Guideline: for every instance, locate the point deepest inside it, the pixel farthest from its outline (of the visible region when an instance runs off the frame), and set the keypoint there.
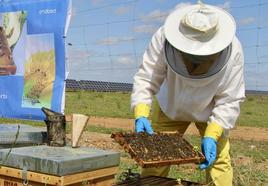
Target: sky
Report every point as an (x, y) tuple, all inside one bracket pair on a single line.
[(107, 38)]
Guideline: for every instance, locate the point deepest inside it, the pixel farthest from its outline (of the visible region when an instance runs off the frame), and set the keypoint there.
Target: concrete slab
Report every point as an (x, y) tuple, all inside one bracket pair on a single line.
[(28, 135), (59, 160)]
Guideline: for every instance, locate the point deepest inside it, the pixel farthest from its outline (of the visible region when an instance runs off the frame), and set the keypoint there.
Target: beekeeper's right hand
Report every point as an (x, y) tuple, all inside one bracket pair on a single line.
[(142, 124)]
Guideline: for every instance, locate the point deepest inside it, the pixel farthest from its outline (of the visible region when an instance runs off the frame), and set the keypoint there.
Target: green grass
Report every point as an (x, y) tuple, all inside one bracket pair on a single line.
[(106, 104), (249, 162), (126, 165), (29, 122), (254, 112), (99, 104)]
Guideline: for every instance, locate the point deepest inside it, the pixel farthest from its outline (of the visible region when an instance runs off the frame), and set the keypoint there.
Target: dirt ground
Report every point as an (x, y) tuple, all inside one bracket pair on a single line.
[(104, 141), (93, 139), (245, 133)]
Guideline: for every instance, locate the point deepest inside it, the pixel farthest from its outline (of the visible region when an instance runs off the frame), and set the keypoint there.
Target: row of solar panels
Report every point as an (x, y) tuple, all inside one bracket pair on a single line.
[(99, 86)]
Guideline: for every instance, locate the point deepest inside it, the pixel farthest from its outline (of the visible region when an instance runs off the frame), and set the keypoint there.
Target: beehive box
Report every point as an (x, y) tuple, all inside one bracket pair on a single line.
[(45, 165), (14, 177), (159, 149)]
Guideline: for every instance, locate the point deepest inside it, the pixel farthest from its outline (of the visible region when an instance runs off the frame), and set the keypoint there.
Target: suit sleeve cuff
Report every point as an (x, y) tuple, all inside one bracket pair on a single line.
[(141, 110), (213, 130)]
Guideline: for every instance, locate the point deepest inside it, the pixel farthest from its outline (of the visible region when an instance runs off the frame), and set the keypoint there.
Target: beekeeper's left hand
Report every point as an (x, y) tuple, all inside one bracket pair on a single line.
[(209, 149), (209, 144)]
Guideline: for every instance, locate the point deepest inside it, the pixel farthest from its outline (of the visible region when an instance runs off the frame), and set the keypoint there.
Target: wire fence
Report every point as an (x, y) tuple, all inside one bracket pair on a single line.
[(107, 38)]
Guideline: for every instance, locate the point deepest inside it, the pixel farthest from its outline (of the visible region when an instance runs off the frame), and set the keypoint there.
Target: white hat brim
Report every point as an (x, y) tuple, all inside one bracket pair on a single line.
[(222, 38)]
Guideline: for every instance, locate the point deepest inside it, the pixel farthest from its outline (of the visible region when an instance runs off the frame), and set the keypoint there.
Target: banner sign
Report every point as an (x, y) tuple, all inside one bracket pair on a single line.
[(32, 56)]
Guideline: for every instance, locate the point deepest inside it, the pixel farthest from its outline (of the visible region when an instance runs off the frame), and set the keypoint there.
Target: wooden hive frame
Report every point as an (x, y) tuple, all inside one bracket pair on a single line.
[(156, 180), (119, 137)]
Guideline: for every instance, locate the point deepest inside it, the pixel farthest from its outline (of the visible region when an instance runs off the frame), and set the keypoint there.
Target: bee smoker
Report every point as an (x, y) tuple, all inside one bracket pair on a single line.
[(56, 128)]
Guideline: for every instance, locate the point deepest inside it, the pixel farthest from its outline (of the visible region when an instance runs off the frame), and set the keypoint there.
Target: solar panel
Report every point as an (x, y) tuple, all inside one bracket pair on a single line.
[(100, 86)]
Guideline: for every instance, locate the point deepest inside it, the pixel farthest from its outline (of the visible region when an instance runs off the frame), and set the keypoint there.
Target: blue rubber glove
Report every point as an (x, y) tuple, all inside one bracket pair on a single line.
[(142, 124), (209, 149)]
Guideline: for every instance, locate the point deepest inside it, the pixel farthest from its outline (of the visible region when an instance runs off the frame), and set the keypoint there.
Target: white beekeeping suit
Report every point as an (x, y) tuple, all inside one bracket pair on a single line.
[(194, 65), (215, 97)]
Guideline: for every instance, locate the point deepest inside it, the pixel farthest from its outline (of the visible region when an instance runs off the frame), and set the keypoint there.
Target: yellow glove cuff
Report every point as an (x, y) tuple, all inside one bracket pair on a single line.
[(213, 130), (141, 110)]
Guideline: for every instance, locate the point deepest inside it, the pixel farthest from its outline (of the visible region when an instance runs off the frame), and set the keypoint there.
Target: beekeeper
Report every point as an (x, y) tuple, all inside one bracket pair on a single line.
[(194, 66)]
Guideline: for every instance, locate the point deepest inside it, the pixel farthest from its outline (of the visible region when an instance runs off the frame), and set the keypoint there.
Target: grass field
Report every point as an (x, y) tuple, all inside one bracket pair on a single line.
[(249, 158), (106, 104), (253, 110)]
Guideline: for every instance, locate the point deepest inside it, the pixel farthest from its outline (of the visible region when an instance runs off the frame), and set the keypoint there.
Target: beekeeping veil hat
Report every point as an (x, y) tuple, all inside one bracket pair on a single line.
[(200, 29)]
